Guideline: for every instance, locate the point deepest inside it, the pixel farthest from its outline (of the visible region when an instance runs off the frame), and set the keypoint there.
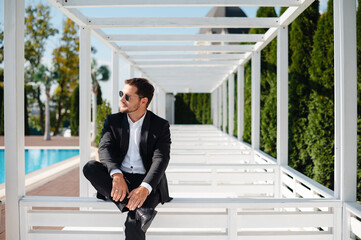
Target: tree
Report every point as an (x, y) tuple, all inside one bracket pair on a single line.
[(46, 77), (301, 42), (320, 129), (247, 132), (37, 30), (268, 134), (74, 112), (66, 64), (98, 74)]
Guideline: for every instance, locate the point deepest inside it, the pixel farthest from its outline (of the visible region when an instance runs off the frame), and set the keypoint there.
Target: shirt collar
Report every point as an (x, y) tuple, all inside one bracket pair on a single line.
[(137, 123)]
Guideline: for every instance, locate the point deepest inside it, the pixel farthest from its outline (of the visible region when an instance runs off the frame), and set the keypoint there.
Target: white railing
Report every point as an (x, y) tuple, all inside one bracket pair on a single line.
[(296, 185), (353, 215), (201, 219), (221, 180)]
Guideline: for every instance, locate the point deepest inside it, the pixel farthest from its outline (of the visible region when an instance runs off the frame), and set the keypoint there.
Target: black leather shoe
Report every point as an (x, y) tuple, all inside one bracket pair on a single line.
[(145, 216), (102, 197)]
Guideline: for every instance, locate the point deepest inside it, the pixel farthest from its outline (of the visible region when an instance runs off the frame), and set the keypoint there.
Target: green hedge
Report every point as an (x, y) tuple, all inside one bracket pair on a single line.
[(193, 108)]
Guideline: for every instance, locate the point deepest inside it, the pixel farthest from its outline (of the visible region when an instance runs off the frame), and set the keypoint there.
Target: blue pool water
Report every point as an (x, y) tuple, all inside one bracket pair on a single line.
[(39, 158)]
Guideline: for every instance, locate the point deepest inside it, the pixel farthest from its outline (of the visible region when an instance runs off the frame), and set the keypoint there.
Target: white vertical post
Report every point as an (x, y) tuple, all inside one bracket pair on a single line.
[(348, 98), (219, 97), (256, 99), (131, 71), (345, 106), (224, 105), (84, 101), (337, 102), (282, 96), (231, 104), (240, 102), (162, 103), (14, 113), (155, 100), (115, 82)]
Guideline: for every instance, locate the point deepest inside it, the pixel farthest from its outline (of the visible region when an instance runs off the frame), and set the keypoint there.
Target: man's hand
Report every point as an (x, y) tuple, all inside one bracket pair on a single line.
[(120, 188), (137, 198)]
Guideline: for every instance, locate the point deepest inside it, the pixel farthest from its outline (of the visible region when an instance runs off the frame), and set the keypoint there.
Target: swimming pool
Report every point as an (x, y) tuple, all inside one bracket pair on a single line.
[(39, 158)]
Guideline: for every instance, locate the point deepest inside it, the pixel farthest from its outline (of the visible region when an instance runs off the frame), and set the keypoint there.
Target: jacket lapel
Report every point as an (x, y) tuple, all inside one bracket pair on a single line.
[(143, 137), (124, 144)]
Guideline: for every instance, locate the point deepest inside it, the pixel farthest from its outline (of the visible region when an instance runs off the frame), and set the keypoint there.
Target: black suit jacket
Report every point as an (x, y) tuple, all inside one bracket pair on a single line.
[(154, 148)]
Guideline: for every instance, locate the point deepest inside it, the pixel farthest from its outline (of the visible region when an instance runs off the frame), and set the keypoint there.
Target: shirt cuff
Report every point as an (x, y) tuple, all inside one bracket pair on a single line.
[(147, 186), (114, 171)]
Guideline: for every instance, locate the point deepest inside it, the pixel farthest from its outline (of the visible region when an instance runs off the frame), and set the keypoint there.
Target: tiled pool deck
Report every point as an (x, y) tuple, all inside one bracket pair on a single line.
[(65, 185)]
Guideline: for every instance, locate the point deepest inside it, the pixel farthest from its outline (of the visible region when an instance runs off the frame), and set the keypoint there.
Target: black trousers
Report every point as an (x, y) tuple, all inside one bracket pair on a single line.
[(99, 177)]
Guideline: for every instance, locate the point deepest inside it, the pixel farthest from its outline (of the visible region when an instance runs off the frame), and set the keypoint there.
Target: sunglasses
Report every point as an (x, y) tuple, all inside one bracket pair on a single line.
[(126, 96)]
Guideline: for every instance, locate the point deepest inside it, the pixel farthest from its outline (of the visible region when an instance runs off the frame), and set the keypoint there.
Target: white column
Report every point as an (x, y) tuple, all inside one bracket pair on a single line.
[(155, 100), (14, 113), (115, 82), (240, 102), (161, 103), (256, 100), (224, 105), (282, 96), (131, 71), (84, 101), (337, 102), (231, 104), (346, 94)]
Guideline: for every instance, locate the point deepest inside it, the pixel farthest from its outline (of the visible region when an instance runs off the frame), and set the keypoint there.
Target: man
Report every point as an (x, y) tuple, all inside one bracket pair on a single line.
[(134, 154)]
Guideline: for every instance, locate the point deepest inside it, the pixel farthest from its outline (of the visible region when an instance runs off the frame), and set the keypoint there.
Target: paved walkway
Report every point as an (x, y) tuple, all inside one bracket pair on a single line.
[(55, 141), (66, 185)]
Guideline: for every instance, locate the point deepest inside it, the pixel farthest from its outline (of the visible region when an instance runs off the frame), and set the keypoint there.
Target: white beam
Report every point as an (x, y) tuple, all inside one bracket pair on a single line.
[(231, 104), (186, 38), (287, 17), (167, 48), (84, 101), (282, 96), (178, 3), (187, 22), (186, 63), (115, 82), (184, 57), (185, 70), (14, 113), (256, 100), (131, 71), (293, 12), (240, 102), (224, 105), (346, 24)]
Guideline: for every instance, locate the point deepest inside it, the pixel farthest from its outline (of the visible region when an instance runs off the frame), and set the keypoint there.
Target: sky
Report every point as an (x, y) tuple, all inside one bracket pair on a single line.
[(103, 54)]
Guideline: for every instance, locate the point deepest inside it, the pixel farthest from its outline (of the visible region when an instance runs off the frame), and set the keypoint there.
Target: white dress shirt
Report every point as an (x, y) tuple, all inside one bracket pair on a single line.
[(132, 162)]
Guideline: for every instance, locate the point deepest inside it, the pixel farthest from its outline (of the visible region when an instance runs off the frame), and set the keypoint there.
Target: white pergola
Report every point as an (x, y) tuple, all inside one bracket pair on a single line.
[(186, 68)]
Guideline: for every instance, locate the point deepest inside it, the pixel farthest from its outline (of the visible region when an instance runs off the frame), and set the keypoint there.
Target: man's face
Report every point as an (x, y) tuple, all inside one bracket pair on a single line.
[(133, 102)]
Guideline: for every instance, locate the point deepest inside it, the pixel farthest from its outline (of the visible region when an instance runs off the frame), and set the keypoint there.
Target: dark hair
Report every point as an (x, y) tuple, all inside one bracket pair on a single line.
[(144, 88)]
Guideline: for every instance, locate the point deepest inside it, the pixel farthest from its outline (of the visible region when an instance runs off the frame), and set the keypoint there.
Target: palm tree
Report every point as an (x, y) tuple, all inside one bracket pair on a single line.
[(46, 77), (98, 74)]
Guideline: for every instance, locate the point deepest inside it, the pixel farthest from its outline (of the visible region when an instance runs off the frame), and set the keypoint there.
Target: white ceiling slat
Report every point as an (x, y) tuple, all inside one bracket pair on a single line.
[(187, 57), (185, 22), (205, 65), (186, 38), (178, 3), (211, 48), (189, 63)]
